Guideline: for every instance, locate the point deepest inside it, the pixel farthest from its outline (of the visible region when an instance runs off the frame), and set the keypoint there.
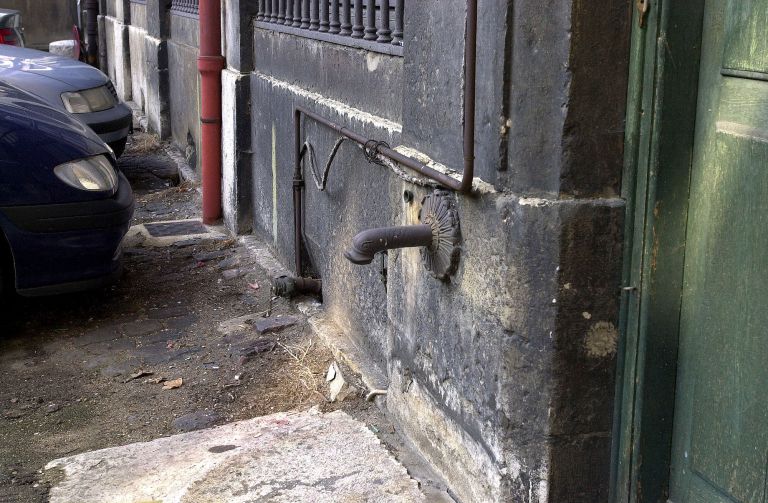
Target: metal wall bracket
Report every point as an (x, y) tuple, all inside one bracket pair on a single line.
[(438, 210)]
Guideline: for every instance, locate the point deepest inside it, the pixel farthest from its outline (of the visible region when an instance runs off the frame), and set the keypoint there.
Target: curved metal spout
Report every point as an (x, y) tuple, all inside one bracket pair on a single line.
[(369, 242)]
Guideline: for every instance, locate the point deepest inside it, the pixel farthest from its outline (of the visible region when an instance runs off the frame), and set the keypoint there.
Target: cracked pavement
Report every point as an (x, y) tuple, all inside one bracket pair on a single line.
[(92, 370)]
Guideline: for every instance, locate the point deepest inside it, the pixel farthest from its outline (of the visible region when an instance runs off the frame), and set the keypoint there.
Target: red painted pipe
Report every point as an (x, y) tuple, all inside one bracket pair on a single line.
[(210, 63)]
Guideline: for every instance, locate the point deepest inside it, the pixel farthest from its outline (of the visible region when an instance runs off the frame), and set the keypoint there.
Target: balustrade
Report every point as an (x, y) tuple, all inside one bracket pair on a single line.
[(371, 24)]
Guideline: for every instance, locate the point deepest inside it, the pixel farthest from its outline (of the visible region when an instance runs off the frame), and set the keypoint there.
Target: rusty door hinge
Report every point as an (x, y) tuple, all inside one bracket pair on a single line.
[(642, 9)]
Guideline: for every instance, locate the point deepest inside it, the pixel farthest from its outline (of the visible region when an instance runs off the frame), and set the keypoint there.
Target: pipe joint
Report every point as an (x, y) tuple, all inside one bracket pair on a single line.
[(366, 244), (287, 286), (438, 235), (210, 64)]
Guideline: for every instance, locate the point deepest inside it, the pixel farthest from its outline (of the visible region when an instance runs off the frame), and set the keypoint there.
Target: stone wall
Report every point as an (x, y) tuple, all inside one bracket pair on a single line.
[(184, 85), (502, 376), (134, 53)]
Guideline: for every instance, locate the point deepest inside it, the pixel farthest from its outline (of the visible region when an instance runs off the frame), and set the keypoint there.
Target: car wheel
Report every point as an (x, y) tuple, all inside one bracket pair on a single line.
[(118, 147)]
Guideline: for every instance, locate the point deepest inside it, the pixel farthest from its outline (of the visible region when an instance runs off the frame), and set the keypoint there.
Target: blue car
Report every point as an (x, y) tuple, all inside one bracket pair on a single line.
[(64, 205), (71, 86)]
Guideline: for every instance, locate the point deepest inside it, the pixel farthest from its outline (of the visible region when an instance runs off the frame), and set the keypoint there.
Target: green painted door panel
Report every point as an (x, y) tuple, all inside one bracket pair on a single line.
[(724, 277), (746, 38), (720, 451)]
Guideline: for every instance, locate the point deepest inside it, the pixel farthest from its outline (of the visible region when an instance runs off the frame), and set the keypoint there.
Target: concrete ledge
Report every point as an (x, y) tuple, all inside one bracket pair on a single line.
[(283, 457), (472, 473), (344, 347)]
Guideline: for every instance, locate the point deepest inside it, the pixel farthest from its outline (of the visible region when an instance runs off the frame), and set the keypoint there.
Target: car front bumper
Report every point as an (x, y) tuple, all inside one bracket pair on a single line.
[(65, 247), (111, 125)]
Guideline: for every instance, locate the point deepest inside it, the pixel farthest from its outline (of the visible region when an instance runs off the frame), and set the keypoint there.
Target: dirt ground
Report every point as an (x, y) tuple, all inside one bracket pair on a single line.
[(69, 364)]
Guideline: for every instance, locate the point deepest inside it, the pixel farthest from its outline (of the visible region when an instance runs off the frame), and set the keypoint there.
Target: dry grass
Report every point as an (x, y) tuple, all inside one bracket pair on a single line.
[(142, 143), (299, 353)]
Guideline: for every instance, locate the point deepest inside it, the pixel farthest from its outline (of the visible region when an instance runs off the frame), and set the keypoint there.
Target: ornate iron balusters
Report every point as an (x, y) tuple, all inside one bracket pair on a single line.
[(370, 20), (357, 28), (324, 21), (288, 12), (260, 11), (335, 25), (314, 17), (379, 21), (305, 14), (384, 35), (346, 18), (296, 13), (185, 6), (397, 35)]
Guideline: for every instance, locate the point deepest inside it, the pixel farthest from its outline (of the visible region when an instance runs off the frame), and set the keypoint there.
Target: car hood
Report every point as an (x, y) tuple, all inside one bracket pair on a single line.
[(21, 64), (34, 138)]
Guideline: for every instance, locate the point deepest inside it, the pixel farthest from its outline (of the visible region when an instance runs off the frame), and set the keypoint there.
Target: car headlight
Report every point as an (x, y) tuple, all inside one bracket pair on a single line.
[(93, 174), (89, 100)]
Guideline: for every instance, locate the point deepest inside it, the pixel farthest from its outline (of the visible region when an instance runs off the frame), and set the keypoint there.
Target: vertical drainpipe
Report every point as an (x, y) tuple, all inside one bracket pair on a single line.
[(210, 63), (92, 32)]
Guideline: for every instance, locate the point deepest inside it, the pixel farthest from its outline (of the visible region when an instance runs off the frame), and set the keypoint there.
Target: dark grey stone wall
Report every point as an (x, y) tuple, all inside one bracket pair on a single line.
[(184, 85), (134, 53), (502, 376), (333, 75)]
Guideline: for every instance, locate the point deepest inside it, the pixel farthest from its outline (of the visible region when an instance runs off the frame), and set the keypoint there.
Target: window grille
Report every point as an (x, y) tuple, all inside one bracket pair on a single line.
[(375, 25)]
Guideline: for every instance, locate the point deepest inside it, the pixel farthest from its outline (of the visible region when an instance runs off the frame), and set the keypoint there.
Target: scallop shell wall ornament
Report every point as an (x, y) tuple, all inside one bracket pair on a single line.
[(438, 210)]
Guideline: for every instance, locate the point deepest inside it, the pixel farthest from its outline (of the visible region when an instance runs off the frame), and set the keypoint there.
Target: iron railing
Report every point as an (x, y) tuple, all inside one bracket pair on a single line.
[(376, 25), (185, 7)]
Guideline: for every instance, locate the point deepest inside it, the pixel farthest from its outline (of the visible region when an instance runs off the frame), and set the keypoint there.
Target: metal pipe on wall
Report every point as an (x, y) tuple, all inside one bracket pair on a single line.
[(210, 63), (92, 32), (470, 75), (462, 186)]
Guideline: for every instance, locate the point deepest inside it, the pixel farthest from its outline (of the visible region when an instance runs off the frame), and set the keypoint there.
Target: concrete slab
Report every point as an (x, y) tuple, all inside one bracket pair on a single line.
[(284, 457), (140, 235)]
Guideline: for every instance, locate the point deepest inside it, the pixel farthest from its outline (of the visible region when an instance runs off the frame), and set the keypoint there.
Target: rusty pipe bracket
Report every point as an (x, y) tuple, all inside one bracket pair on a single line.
[(438, 210)]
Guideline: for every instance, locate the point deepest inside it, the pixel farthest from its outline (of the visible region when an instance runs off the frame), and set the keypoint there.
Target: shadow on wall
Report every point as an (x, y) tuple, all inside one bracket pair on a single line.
[(45, 20)]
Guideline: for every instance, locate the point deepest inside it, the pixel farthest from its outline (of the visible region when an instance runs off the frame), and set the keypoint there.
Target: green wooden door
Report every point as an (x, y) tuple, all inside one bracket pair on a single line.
[(720, 444)]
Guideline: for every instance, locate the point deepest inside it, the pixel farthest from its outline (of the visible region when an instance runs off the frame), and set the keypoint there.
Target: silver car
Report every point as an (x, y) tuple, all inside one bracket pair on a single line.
[(11, 31), (71, 86)]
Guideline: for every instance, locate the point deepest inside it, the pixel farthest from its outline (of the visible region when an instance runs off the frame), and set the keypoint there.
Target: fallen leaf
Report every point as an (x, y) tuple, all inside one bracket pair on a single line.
[(254, 285), (140, 373), (176, 383), (156, 380)]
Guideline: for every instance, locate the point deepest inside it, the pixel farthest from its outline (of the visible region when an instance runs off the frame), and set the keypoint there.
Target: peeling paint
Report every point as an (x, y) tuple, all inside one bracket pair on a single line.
[(479, 186), (343, 109), (372, 61)]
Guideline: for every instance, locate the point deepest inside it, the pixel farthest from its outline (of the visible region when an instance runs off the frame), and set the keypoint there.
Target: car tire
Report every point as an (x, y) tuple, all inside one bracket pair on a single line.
[(118, 147), (6, 269)]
